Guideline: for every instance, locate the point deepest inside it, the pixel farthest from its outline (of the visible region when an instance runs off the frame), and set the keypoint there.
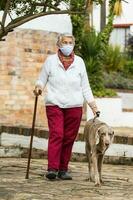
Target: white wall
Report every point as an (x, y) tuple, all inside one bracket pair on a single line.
[(127, 100), (53, 23), (8, 140), (111, 112), (119, 37)]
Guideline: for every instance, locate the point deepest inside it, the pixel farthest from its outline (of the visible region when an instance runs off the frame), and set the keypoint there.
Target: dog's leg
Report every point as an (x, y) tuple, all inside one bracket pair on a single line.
[(95, 166), (89, 160), (90, 166), (100, 162)]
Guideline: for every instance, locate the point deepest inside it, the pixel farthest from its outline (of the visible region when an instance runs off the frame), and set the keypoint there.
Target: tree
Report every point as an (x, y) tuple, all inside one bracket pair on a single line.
[(91, 46), (77, 23), (103, 15), (82, 23), (26, 10)]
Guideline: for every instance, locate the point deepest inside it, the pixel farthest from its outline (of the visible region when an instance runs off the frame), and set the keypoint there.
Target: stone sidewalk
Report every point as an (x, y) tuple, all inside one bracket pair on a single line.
[(13, 185)]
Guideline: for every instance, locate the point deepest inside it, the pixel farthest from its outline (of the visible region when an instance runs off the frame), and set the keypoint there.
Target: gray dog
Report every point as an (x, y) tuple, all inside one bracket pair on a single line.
[(98, 136)]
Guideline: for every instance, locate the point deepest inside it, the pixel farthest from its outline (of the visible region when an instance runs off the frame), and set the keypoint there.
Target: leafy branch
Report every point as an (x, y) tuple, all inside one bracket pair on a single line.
[(29, 10)]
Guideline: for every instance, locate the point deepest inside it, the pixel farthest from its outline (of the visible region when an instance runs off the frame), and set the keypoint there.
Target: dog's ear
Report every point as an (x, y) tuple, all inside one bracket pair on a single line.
[(112, 132), (112, 135), (97, 137), (98, 134)]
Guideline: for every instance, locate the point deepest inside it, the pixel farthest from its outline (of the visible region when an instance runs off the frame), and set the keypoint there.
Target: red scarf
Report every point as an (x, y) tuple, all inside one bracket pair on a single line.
[(68, 62)]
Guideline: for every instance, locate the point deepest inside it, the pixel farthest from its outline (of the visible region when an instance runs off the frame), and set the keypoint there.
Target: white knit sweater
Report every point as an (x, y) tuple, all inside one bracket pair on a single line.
[(65, 88)]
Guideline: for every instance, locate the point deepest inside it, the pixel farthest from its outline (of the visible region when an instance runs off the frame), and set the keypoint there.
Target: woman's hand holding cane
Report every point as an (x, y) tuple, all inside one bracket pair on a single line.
[(37, 91)]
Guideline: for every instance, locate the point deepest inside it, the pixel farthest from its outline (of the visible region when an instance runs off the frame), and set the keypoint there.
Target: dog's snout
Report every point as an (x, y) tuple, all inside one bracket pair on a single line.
[(107, 143)]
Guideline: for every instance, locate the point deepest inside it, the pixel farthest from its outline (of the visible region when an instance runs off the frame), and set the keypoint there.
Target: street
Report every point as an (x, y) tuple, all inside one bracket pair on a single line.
[(118, 182)]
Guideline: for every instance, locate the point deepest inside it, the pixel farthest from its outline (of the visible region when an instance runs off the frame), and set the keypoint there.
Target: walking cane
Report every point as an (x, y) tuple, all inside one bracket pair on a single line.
[(32, 133)]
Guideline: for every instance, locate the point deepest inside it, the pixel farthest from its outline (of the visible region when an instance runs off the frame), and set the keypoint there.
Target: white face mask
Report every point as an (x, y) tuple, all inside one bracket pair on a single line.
[(67, 49)]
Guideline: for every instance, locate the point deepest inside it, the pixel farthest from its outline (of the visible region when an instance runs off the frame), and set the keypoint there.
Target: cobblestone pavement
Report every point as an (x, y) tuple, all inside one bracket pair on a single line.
[(13, 185)]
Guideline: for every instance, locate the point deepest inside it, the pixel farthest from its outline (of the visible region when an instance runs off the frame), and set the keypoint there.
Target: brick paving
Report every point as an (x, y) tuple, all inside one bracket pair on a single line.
[(13, 185)]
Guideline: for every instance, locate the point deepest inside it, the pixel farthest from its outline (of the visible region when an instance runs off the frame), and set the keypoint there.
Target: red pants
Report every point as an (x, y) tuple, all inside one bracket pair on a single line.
[(63, 128)]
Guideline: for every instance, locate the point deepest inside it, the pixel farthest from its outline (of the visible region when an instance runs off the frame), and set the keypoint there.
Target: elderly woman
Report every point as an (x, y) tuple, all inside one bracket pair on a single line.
[(65, 76)]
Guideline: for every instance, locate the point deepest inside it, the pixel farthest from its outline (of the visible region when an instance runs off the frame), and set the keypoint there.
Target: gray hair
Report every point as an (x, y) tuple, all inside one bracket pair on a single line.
[(62, 35)]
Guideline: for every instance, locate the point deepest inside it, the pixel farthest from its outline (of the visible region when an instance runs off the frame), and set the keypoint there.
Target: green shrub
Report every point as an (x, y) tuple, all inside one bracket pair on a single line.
[(105, 93), (89, 50), (129, 48), (90, 45), (114, 60), (128, 69), (118, 81)]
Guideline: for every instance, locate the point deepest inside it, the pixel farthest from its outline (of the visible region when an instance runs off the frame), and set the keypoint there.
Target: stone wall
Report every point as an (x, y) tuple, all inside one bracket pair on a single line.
[(21, 58)]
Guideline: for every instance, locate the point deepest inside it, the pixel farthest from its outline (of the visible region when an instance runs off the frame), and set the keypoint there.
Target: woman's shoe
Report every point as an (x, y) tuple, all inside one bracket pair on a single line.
[(51, 174), (64, 175)]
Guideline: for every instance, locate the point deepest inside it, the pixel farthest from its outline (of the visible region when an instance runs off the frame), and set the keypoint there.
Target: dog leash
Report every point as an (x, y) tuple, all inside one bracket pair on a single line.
[(97, 115)]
